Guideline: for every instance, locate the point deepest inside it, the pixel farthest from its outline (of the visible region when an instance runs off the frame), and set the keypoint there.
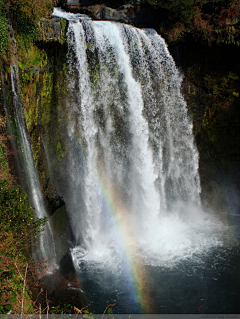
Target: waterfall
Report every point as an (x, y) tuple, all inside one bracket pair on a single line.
[(46, 244), (129, 177)]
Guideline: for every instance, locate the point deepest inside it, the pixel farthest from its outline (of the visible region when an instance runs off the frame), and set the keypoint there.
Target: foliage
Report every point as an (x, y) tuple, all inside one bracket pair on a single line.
[(4, 152), (175, 10), (221, 118), (28, 12), (31, 61), (60, 151), (3, 32), (66, 308), (31, 58), (210, 21), (16, 220), (24, 16), (18, 228), (16, 214), (211, 88), (221, 26), (17, 231), (14, 298)]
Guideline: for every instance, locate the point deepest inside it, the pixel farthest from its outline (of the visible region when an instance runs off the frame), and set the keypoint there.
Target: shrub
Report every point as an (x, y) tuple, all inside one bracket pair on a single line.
[(175, 10), (25, 14), (16, 219), (3, 29), (17, 231)]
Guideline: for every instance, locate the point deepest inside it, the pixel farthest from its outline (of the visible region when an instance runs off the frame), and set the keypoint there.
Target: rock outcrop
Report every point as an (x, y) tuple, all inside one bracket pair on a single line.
[(51, 29), (125, 14), (131, 13)]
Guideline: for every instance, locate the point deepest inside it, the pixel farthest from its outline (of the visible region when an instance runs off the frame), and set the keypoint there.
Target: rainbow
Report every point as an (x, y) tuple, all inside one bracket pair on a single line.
[(135, 271)]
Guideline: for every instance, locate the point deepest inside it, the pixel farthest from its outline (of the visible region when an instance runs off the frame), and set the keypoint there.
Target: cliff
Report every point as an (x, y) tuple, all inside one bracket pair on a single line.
[(205, 47)]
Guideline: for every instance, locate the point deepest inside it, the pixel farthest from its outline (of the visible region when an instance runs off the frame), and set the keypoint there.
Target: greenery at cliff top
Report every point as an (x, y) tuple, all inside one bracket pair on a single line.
[(3, 28), (205, 20), (25, 16), (208, 21)]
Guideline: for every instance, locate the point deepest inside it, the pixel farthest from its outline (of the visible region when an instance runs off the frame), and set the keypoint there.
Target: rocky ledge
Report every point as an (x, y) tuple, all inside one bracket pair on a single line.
[(51, 29), (131, 13), (126, 13)]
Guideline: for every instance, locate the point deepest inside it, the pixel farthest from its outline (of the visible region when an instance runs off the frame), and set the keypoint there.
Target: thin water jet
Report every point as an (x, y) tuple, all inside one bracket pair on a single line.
[(46, 251)]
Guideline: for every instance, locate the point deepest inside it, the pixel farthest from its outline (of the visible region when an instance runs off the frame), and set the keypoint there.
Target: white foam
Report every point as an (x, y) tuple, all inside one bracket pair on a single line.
[(60, 13)]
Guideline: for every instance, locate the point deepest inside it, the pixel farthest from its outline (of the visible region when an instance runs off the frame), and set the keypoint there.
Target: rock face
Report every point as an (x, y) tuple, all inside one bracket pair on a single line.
[(125, 14), (51, 29), (73, 2), (131, 13), (58, 223)]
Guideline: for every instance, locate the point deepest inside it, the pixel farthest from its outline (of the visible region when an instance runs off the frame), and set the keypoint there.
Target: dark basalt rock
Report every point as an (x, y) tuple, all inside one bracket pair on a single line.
[(54, 203), (135, 12), (100, 12), (51, 29), (128, 13), (58, 222)]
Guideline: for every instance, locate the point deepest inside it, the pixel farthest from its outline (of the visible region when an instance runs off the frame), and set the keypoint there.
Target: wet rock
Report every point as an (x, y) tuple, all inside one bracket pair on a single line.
[(51, 29), (73, 2), (67, 267), (58, 226), (135, 12), (54, 203), (125, 13)]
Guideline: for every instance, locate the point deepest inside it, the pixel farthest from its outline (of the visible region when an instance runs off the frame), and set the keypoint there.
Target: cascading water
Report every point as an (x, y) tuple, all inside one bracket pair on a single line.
[(129, 177), (136, 166), (30, 174)]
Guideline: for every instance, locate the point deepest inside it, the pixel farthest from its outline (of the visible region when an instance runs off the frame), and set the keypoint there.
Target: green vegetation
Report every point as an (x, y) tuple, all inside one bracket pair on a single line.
[(60, 152), (63, 24), (16, 217), (31, 61), (211, 88), (18, 232), (4, 152), (221, 118), (3, 31), (25, 14), (175, 10), (204, 20)]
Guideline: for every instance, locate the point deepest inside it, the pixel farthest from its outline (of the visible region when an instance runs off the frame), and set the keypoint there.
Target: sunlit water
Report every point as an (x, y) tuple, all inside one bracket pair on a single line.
[(139, 236), (203, 277)]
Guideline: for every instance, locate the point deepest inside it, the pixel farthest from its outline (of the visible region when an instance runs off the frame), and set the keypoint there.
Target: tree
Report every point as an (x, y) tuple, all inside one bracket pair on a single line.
[(175, 10), (25, 14)]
